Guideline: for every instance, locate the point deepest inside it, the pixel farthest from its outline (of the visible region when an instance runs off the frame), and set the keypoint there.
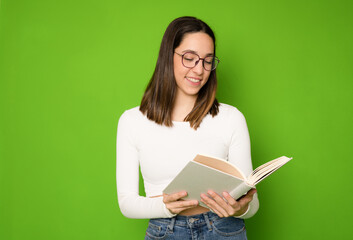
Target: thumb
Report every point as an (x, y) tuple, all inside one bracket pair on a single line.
[(252, 191), (248, 197)]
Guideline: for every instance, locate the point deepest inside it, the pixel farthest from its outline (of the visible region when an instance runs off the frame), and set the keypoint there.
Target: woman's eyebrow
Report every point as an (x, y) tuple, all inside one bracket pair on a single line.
[(192, 51), (189, 50)]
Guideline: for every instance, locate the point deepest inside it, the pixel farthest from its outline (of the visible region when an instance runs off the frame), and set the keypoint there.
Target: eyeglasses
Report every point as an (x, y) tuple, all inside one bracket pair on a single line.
[(190, 60)]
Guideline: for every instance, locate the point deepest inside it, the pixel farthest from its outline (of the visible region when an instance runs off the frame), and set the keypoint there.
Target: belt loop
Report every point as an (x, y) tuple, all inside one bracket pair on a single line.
[(171, 225), (207, 220)]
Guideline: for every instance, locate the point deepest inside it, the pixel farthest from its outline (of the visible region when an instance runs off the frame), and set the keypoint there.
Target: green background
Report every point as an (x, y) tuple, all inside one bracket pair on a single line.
[(69, 68)]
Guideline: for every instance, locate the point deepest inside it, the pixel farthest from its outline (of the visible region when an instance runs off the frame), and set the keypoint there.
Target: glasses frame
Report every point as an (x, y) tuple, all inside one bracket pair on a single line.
[(197, 62)]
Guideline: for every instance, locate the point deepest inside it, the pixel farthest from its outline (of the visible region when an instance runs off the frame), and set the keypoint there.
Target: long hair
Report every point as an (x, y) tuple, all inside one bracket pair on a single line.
[(158, 99)]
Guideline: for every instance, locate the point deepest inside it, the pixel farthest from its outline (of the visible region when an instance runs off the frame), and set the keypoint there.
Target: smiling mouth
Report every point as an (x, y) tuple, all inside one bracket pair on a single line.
[(194, 80)]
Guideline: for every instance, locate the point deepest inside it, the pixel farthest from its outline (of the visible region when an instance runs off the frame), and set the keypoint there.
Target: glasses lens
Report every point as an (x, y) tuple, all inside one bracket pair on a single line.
[(209, 63), (190, 59)]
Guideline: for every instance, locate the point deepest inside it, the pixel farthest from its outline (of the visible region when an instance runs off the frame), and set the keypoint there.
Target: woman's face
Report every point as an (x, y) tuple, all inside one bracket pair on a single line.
[(191, 80)]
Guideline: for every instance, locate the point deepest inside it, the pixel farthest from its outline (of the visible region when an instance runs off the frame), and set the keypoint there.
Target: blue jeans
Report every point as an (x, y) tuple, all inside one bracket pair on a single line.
[(202, 226)]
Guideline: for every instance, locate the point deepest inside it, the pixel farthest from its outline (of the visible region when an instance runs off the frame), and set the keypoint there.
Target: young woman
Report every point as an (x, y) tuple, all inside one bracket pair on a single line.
[(179, 117)]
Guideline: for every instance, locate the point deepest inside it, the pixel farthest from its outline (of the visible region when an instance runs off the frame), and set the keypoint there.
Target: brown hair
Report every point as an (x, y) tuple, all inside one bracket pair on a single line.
[(157, 102)]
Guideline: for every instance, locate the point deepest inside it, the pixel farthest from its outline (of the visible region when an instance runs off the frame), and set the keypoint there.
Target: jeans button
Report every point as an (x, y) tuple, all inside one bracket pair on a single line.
[(192, 220)]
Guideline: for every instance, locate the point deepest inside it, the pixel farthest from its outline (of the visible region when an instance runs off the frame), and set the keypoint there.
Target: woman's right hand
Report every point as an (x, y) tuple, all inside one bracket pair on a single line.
[(175, 204)]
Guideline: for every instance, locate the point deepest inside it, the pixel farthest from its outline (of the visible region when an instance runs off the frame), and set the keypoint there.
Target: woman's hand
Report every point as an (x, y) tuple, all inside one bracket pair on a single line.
[(227, 206), (175, 204)]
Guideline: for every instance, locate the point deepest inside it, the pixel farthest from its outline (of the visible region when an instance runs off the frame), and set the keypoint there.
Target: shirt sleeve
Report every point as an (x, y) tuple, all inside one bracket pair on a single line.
[(240, 155), (131, 204)]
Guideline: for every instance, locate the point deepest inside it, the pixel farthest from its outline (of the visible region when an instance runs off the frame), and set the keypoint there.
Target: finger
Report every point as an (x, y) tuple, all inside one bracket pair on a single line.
[(179, 206), (211, 208), (234, 204), (182, 204), (174, 196), (222, 203), (248, 197), (252, 191), (179, 210), (229, 198), (214, 205)]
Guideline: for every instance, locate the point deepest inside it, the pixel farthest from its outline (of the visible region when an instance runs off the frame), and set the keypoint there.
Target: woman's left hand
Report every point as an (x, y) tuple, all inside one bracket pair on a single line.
[(227, 206)]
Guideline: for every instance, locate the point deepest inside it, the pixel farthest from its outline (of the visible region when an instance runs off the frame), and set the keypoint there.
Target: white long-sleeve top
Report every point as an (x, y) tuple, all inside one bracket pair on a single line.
[(161, 152)]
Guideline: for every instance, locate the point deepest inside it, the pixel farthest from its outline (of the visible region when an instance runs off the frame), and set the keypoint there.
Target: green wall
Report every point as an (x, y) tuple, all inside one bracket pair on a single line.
[(69, 68)]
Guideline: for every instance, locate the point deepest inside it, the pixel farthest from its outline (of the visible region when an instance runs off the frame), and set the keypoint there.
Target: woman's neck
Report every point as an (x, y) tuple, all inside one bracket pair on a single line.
[(183, 105)]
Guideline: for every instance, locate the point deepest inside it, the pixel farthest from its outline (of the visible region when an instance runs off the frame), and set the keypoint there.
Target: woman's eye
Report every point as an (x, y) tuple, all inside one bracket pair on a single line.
[(189, 59), (209, 60)]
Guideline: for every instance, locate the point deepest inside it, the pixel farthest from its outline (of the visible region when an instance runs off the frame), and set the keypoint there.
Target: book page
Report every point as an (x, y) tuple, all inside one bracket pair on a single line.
[(266, 169), (220, 165)]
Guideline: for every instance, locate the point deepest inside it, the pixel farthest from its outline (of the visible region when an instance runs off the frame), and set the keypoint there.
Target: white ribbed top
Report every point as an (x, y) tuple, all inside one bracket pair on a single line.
[(162, 152)]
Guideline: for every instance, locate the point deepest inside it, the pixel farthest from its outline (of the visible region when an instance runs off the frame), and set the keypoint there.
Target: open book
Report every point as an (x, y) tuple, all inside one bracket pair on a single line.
[(208, 173)]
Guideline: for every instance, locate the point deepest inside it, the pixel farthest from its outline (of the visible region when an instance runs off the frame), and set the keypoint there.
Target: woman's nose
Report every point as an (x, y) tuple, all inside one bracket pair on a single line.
[(198, 69)]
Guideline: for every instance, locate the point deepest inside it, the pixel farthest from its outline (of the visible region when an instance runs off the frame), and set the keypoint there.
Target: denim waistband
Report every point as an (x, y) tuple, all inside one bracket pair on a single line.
[(195, 220), (203, 216)]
